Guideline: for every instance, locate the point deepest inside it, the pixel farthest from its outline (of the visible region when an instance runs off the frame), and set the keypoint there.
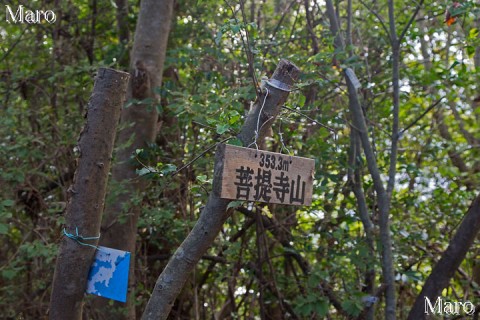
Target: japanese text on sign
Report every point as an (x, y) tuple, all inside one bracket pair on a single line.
[(257, 175)]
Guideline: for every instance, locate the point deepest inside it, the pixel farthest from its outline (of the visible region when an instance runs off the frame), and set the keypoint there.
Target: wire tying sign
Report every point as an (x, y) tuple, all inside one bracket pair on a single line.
[(258, 175)]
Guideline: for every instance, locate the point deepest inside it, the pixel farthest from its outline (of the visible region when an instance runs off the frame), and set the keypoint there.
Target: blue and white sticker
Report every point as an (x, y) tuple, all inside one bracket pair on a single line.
[(108, 275)]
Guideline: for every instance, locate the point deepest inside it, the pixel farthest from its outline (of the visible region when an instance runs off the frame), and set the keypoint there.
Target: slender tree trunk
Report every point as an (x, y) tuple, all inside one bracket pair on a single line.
[(214, 214), (383, 199), (451, 259), (87, 194), (119, 228)]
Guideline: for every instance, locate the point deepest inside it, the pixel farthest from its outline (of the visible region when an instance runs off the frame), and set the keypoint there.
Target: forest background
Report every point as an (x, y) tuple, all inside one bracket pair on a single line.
[(397, 159)]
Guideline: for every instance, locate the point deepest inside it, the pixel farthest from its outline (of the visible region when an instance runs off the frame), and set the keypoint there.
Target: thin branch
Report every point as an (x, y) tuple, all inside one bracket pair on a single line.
[(349, 26), (356, 179), (292, 30), (309, 118), (396, 97), (200, 155), (270, 266), (277, 27), (412, 18), (310, 28), (414, 122), (246, 45), (333, 299), (379, 18), (467, 135), (14, 44)]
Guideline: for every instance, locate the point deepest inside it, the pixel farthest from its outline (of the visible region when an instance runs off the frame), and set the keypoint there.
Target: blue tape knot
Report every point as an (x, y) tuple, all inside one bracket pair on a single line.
[(80, 239)]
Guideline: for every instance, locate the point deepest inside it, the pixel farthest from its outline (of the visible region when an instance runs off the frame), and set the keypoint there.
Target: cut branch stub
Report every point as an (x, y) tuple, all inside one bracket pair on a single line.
[(270, 103)]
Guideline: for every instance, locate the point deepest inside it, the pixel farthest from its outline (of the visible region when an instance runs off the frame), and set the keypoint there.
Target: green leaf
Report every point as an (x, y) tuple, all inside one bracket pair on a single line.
[(3, 228), (233, 117), (473, 34), (222, 128), (169, 168), (235, 142), (8, 203), (352, 307), (235, 204), (470, 51), (290, 250), (9, 274), (218, 37), (321, 308), (301, 100), (202, 178), (235, 29), (145, 170), (414, 275), (130, 103)]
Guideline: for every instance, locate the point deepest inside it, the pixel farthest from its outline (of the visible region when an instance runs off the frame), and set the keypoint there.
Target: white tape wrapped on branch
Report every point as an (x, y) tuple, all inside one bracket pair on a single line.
[(279, 85)]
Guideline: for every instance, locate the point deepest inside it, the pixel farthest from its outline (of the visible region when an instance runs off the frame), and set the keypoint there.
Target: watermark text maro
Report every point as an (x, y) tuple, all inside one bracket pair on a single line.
[(24, 15)]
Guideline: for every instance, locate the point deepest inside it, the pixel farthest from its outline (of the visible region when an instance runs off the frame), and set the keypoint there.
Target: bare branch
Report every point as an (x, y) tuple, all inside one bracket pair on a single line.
[(409, 23), (310, 28), (246, 44), (10, 50), (277, 27), (309, 118), (378, 16), (467, 135), (200, 155), (414, 122)]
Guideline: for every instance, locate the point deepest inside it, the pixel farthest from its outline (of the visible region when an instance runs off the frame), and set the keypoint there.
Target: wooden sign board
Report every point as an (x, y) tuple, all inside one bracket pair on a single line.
[(258, 175)]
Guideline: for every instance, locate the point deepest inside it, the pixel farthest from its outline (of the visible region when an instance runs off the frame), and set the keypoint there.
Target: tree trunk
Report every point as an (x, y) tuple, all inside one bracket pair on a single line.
[(119, 227), (87, 194), (449, 262), (214, 214)]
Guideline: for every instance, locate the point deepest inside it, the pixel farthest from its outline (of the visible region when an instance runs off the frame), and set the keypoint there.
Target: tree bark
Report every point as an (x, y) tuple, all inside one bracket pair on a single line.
[(119, 227), (383, 199), (87, 194), (214, 214), (450, 261)]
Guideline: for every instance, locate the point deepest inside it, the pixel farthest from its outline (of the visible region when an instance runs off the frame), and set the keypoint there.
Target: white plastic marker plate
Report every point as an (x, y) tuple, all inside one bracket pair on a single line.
[(108, 275)]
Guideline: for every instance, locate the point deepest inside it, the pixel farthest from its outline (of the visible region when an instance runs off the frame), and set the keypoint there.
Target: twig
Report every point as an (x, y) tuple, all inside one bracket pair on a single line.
[(309, 118), (246, 45), (310, 28), (402, 35), (379, 17), (467, 135), (14, 44), (414, 122), (277, 27), (200, 155)]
